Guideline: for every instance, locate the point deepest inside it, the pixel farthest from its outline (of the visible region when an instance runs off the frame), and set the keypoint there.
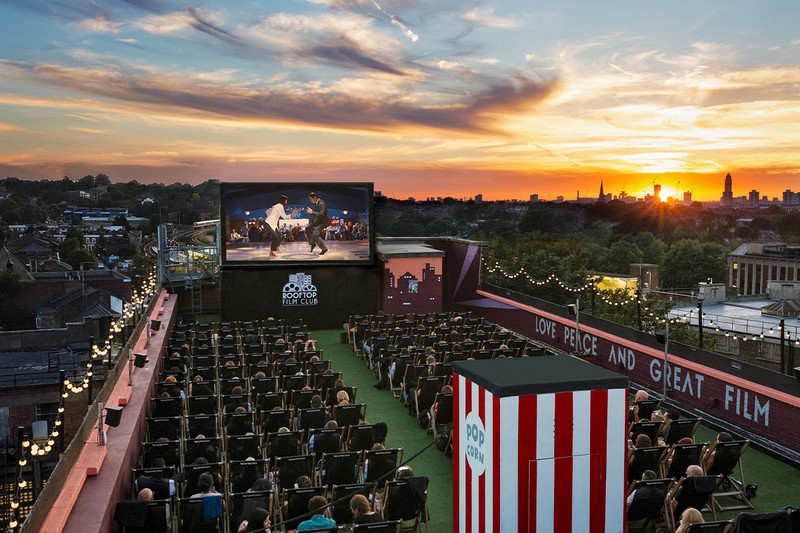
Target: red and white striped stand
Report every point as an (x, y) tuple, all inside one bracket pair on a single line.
[(539, 445)]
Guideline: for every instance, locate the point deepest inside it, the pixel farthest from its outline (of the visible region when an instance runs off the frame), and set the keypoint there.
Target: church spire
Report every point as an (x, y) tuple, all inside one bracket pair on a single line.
[(601, 199)]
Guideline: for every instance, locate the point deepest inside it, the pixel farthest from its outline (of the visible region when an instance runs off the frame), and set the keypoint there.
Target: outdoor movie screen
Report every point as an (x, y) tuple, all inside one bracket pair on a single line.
[(289, 223)]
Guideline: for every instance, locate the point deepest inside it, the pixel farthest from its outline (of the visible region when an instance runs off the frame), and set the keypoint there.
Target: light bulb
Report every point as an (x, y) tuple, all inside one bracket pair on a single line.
[(47, 449), (61, 408), (23, 462), (58, 422), (64, 394), (14, 505), (55, 433), (22, 483)]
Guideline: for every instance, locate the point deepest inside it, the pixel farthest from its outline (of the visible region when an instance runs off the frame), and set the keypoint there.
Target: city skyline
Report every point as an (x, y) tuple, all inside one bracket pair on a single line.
[(423, 98)]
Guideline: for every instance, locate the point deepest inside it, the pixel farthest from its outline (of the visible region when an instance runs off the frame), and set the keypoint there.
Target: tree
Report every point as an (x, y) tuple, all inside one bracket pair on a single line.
[(689, 262)]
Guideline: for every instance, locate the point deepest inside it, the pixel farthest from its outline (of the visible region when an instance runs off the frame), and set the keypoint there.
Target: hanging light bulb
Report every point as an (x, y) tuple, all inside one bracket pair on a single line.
[(22, 462)]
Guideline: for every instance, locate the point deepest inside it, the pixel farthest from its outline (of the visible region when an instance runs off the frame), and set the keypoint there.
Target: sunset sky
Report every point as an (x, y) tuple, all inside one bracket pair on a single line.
[(423, 97)]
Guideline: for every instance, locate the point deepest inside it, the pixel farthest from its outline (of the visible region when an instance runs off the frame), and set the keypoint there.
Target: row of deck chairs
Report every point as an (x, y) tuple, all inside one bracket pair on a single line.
[(337, 472)]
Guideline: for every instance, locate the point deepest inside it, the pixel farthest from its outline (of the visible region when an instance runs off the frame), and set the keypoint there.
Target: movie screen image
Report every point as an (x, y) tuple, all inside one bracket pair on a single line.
[(285, 223)]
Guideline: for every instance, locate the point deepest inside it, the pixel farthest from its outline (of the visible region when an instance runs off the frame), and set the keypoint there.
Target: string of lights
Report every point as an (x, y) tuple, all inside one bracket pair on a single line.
[(552, 278), (31, 449), (734, 334)]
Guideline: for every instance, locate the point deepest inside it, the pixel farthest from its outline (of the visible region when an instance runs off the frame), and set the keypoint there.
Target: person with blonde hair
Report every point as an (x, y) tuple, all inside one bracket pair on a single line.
[(362, 513), (688, 517)]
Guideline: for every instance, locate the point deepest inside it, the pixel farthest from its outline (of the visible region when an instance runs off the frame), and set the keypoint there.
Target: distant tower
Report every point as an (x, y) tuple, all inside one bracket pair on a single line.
[(657, 192), (602, 198), (727, 195)]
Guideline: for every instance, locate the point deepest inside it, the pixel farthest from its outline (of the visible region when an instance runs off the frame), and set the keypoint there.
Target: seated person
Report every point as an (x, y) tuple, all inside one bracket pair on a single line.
[(161, 487), (648, 475), (317, 505), (362, 514), (723, 436)]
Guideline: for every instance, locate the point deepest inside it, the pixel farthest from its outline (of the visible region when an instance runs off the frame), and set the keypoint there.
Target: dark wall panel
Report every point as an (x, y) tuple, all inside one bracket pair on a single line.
[(323, 297)]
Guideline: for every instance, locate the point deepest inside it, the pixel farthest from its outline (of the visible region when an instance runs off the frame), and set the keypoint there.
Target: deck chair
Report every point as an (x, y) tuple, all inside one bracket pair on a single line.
[(167, 450), (310, 418), (391, 526), (245, 502), (406, 500), (695, 492), (276, 419), (681, 428), (325, 441), (680, 457), (722, 459), (341, 511), (641, 459), (164, 407), (192, 473), (349, 415), (425, 393), (292, 467), (152, 516), (360, 437), (649, 501), (199, 516), (441, 414), (646, 408), (401, 362), (283, 444), (338, 468), (380, 465), (295, 503), (646, 427), (763, 522), (721, 526)]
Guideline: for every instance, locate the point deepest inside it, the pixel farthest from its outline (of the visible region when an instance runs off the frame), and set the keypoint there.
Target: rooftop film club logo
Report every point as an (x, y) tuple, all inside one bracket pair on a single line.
[(299, 291), (476, 443)]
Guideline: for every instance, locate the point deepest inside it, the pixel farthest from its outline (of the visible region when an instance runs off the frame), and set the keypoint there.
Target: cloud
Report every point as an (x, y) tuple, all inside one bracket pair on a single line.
[(90, 130), (310, 105), (484, 16), (10, 128), (100, 25)]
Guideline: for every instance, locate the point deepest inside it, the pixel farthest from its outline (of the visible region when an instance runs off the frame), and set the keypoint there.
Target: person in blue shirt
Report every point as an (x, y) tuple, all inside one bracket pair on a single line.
[(318, 506)]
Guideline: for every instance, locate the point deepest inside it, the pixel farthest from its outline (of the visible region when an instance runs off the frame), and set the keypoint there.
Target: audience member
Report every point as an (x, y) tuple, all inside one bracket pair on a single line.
[(688, 517), (318, 506), (362, 514), (257, 522)]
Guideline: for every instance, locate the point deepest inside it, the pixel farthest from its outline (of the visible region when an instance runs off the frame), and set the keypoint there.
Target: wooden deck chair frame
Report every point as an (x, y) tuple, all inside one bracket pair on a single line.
[(331, 458), (422, 516), (348, 491), (287, 493), (693, 424), (443, 415), (695, 451), (424, 386), (659, 451), (663, 484), (707, 507), (737, 485), (396, 383)]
